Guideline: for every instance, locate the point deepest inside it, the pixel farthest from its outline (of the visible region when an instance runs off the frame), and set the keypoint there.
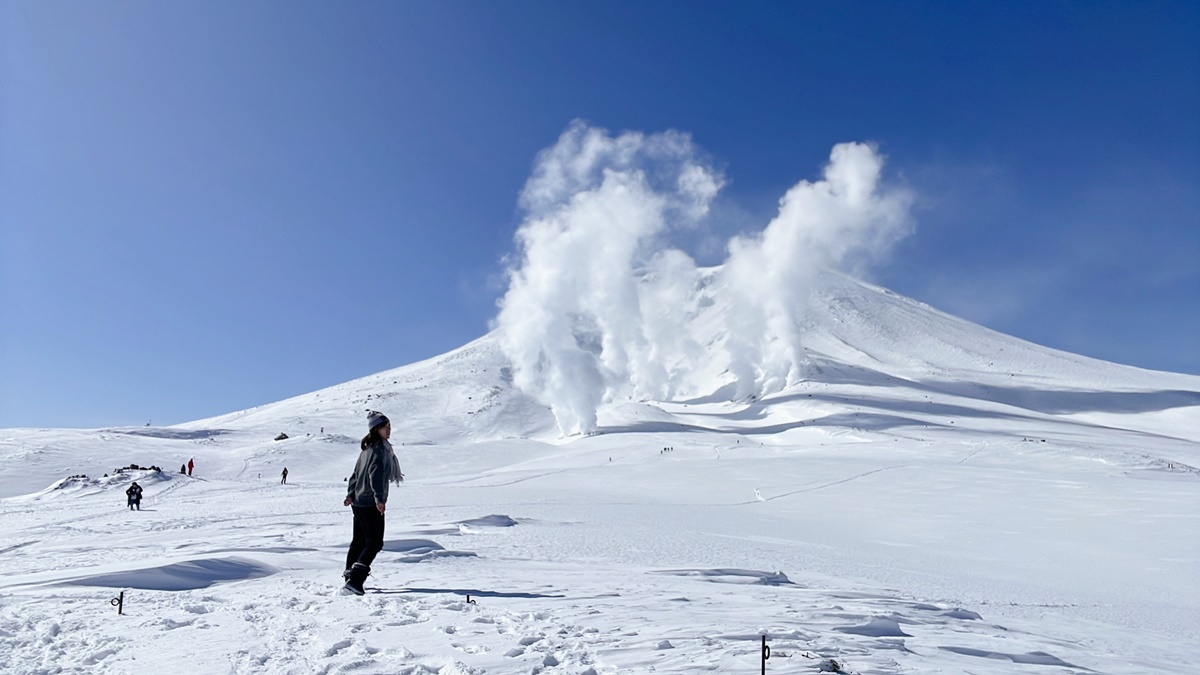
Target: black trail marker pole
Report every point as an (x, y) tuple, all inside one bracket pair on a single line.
[(766, 654), (119, 602)]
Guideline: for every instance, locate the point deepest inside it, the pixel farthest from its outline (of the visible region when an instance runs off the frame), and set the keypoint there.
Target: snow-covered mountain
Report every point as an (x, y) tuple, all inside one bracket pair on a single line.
[(856, 335), (931, 496)]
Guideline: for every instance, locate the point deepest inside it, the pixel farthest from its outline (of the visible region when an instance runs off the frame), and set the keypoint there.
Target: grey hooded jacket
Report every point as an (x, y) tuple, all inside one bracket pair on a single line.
[(368, 484)]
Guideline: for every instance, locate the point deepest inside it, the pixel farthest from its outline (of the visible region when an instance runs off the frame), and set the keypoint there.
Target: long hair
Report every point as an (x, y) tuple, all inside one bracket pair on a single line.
[(373, 437)]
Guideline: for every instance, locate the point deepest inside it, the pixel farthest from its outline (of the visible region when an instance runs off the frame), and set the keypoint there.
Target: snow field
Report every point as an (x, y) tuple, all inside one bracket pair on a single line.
[(932, 497)]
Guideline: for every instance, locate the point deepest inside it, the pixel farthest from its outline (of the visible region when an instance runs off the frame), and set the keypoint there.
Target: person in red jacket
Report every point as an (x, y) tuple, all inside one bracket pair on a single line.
[(190, 465)]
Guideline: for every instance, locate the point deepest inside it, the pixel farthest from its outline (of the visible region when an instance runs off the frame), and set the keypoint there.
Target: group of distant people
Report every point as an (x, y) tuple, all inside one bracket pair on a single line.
[(366, 494), (134, 493)]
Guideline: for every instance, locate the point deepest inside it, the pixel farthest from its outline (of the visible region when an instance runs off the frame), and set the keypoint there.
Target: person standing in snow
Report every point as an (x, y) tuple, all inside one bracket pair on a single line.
[(284, 481), (134, 493), (367, 494), (190, 465)]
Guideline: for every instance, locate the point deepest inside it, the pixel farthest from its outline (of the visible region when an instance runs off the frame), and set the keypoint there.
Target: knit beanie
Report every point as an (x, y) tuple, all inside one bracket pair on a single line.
[(376, 419)]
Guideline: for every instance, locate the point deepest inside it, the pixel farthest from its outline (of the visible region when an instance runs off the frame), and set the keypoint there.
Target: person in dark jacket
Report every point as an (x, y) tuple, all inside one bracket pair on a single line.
[(367, 495), (284, 481), (134, 493)]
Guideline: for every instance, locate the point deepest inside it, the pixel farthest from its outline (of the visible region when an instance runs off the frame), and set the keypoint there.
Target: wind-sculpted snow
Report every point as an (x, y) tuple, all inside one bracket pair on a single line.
[(182, 576), (735, 576), (877, 627), (1034, 658), (171, 434), (494, 520), (421, 550)]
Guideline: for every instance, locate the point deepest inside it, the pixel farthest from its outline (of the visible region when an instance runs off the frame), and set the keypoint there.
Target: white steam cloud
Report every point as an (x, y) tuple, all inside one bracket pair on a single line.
[(597, 305), (842, 221)]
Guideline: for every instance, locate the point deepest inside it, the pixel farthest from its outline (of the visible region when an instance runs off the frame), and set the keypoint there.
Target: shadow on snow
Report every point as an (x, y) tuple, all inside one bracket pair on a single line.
[(472, 592)]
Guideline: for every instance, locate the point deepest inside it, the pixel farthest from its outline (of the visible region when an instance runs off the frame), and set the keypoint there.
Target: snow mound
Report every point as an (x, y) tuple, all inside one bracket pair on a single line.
[(182, 576), (489, 521), (422, 550), (80, 485), (735, 576)]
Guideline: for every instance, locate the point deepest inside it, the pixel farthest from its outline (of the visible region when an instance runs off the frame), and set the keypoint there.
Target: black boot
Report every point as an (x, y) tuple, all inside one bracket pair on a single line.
[(357, 574)]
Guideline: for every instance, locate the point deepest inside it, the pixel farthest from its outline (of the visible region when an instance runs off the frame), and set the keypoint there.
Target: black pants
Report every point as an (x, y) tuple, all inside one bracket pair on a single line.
[(368, 536)]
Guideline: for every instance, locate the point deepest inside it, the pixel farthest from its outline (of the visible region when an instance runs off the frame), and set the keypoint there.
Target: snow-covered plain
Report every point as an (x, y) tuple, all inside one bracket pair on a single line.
[(934, 498)]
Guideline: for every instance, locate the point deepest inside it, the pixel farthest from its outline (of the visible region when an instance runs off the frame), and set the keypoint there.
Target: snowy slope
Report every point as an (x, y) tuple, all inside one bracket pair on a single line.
[(934, 497)]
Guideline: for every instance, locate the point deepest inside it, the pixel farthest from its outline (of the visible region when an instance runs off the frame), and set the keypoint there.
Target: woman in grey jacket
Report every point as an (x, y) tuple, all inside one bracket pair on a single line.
[(367, 494)]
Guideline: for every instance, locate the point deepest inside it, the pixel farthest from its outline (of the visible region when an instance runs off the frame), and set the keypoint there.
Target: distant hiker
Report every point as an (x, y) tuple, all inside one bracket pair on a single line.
[(190, 466), (284, 481), (366, 494), (135, 496), (183, 469)]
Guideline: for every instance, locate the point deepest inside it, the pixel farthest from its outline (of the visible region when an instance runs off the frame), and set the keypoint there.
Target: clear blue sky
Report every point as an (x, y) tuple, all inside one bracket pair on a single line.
[(207, 206)]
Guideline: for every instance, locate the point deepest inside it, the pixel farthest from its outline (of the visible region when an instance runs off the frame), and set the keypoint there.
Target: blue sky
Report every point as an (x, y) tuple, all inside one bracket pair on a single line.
[(209, 206)]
